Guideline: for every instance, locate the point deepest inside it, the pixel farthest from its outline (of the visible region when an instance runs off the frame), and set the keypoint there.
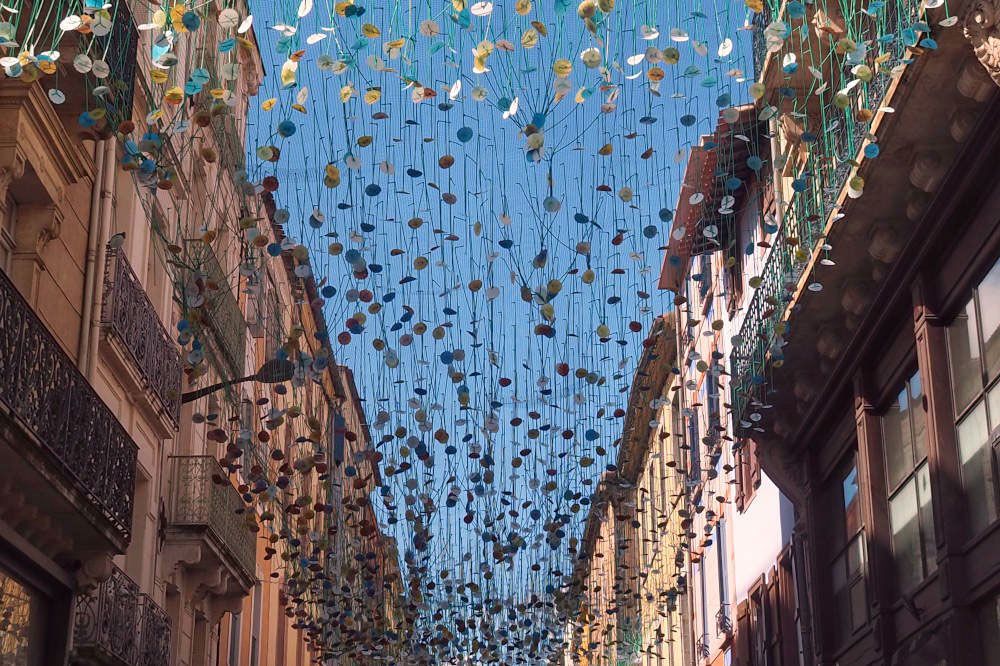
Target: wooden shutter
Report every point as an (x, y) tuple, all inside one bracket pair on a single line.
[(754, 465), (741, 475), (789, 653), (772, 609), (742, 639)]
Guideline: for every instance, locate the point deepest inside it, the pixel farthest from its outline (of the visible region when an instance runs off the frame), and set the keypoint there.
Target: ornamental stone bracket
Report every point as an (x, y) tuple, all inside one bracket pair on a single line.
[(981, 25), (204, 583), (93, 572)]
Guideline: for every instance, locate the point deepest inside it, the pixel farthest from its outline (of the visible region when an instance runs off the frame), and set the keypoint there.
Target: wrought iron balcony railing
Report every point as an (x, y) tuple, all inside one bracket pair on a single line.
[(225, 318), (154, 634), (119, 49), (42, 391), (723, 620), (702, 647), (129, 317), (203, 499), (760, 21), (117, 624), (831, 162)]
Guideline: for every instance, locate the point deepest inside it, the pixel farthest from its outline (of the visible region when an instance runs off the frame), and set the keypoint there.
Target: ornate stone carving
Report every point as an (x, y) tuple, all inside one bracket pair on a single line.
[(982, 28), (94, 571)]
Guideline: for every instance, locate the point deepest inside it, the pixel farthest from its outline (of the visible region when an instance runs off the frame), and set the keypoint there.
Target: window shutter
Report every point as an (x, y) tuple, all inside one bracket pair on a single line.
[(755, 465), (742, 651), (773, 611), (741, 477), (787, 616)]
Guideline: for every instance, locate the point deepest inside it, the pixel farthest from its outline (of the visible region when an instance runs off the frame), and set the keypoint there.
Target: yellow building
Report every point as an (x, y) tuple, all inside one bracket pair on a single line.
[(628, 594), (653, 501)]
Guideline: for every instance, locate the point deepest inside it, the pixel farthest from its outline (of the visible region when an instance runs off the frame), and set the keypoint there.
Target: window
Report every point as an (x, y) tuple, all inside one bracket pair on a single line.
[(904, 441), (743, 251), (8, 217), (759, 626), (974, 356), (724, 621), (704, 274), (17, 608), (703, 600), (747, 472), (234, 639), (694, 442), (848, 549), (255, 626)]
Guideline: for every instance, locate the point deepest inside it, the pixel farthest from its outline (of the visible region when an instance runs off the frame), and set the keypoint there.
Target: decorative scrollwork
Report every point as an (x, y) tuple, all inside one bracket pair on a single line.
[(198, 501), (116, 624), (723, 620), (130, 318), (42, 390), (982, 29)]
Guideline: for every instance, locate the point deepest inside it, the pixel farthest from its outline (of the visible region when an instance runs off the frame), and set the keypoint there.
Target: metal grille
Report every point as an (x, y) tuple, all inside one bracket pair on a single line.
[(225, 318), (107, 619), (760, 21), (830, 165), (200, 502), (119, 49), (116, 624), (153, 648), (42, 390), (129, 317)]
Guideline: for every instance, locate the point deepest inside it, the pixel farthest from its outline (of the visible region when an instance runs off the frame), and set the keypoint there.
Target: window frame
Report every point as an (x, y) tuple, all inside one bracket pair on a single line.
[(981, 398), (840, 550), (928, 561)]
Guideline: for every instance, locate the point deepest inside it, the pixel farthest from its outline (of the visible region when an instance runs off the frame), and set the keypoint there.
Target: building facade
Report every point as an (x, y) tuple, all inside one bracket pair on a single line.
[(836, 290), (739, 525), (147, 516), (864, 373)]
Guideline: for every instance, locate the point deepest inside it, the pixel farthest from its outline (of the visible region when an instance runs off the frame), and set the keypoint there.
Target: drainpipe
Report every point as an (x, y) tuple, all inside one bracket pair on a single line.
[(91, 259), (104, 232)]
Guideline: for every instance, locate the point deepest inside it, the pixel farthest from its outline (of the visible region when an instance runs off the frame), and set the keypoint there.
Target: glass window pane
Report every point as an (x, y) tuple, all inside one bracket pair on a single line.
[(839, 573), (859, 604), (927, 533), (918, 416), (906, 536), (897, 440), (993, 403), (963, 347), (989, 314), (852, 504), (855, 557), (973, 435), (15, 622)]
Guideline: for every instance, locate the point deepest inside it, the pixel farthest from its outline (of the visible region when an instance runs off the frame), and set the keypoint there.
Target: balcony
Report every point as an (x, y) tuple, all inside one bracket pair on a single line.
[(836, 259), (61, 446), (885, 30), (117, 625), (724, 620), (205, 507), (119, 48), (225, 319), (821, 162), (131, 321), (112, 96)]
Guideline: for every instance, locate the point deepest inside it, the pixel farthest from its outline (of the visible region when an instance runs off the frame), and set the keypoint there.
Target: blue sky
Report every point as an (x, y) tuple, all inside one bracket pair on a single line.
[(497, 231)]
